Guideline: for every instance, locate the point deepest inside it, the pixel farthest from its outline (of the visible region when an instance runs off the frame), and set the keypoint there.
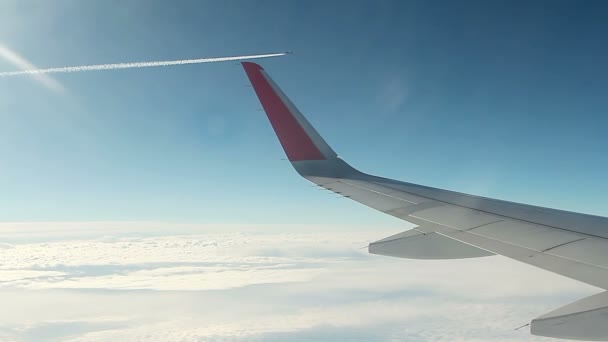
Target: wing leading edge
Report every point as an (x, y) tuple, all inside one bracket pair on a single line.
[(456, 225)]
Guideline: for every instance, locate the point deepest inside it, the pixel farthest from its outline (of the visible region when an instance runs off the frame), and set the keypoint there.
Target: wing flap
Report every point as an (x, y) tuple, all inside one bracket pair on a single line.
[(590, 274), (584, 319), (530, 236), (414, 244), (589, 251), (457, 217)]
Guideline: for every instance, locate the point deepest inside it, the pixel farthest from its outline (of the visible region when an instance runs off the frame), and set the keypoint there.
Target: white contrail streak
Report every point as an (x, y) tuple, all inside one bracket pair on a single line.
[(115, 66)]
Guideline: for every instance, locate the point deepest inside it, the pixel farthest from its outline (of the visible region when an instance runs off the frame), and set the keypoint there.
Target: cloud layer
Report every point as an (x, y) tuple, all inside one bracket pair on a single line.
[(232, 283)]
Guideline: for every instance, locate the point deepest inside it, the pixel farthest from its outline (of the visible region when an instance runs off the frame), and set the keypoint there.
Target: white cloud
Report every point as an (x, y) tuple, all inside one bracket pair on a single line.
[(5, 246), (121, 285)]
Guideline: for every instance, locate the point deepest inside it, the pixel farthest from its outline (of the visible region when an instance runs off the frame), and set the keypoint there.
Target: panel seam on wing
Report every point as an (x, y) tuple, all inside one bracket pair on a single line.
[(378, 192), (533, 251), (562, 244), (536, 252), (494, 214)]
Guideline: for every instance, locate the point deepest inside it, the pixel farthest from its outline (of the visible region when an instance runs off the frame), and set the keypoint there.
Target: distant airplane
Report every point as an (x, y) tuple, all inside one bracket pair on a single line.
[(452, 225)]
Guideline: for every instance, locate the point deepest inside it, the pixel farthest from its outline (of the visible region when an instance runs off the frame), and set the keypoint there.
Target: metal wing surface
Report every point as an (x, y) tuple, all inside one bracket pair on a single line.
[(456, 225)]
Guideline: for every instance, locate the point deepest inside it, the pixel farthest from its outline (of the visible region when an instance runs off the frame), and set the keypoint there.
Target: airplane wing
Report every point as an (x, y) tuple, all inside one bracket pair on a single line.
[(456, 225)]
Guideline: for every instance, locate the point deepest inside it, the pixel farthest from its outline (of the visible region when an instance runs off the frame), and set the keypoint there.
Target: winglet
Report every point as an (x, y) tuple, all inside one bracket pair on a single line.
[(298, 138)]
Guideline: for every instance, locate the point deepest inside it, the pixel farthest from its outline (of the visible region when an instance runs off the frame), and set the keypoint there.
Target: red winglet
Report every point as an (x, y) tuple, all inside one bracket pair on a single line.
[(296, 143)]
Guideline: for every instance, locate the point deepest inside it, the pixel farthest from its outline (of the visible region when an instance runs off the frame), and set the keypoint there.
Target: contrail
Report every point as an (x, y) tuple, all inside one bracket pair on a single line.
[(115, 66)]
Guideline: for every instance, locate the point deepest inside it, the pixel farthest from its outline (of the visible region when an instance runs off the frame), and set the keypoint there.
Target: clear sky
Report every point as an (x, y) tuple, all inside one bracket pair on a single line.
[(504, 99)]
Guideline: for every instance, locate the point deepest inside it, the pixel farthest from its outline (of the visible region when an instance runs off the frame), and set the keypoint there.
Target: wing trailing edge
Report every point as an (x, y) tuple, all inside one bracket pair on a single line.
[(414, 244), (583, 320)]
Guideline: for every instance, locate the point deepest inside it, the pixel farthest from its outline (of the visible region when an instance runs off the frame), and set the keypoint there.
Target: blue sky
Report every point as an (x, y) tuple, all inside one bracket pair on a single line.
[(502, 99)]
